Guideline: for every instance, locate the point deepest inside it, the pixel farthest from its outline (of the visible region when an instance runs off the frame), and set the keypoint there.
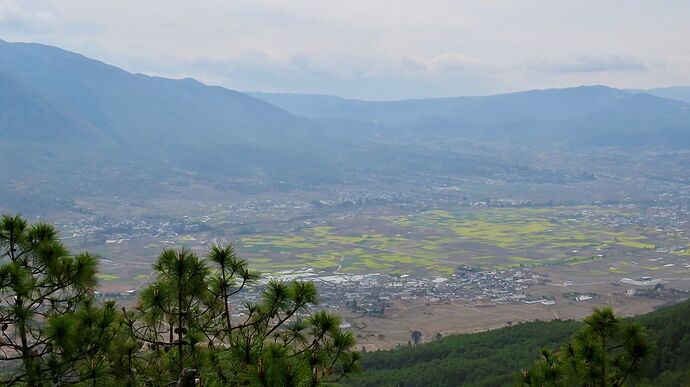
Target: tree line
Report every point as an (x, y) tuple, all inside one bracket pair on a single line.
[(603, 350)]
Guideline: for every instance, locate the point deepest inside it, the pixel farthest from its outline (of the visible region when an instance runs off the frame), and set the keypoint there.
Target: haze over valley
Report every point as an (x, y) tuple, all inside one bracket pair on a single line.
[(538, 203), (362, 193)]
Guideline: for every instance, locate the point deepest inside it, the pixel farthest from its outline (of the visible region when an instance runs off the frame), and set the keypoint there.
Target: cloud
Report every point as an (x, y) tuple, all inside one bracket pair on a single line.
[(370, 48), (17, 18), (443, 64), (385, 78), (452, 62), (591, 64)]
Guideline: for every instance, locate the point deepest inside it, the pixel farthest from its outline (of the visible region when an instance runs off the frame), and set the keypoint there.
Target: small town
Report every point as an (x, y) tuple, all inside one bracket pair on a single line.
[(371, 294)]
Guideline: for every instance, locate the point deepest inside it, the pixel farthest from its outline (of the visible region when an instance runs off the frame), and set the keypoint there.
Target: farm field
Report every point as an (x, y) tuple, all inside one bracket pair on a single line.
[(438, 241), (590, 240)]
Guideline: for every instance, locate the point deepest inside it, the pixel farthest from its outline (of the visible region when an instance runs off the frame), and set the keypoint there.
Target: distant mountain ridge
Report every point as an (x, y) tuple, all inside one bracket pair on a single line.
[(586, 115), (680, 93), (80, 126), (324, 106)]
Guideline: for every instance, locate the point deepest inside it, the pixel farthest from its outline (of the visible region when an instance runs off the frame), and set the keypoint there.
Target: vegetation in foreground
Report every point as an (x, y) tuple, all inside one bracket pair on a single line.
[(495, 358), (182, 331), (606, 352)]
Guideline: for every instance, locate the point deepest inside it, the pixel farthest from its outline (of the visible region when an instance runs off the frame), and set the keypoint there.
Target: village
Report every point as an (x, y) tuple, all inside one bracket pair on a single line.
[(371, 294)]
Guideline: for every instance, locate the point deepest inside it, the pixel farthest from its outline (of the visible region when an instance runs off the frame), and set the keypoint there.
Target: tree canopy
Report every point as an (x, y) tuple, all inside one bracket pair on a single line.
[(496, 357), (606, 352), (182, 331)]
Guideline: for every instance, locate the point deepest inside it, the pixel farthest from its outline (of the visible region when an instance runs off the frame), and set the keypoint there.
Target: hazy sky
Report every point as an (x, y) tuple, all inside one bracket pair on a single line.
[(373, 49)]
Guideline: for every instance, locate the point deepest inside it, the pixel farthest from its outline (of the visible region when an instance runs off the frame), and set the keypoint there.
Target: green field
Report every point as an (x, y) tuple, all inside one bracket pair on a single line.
[(107, 277), (438, 241)]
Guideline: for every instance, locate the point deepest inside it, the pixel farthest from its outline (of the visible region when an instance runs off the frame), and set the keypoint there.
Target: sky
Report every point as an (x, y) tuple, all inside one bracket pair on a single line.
[(372, 49)]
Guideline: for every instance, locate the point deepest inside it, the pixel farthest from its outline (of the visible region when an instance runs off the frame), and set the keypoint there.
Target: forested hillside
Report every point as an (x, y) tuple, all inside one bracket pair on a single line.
[(495, 358)]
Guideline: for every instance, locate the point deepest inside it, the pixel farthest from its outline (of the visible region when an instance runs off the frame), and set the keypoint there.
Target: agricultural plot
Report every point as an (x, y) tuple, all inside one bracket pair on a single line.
[(439, 241), (583, 242)]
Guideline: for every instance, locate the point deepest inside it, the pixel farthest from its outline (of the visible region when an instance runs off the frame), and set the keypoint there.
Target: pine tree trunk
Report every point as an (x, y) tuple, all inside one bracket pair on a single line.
[(27, 358), (225, 299)]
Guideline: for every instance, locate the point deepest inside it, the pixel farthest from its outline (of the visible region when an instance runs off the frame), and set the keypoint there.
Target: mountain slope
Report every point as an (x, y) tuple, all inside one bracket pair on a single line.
[(63, 115), (680, 93), (124, 103), (494, 358)]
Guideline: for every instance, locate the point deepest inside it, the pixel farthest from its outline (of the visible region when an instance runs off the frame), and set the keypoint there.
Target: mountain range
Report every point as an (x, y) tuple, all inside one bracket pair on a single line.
[(72, 125), (585, 115)]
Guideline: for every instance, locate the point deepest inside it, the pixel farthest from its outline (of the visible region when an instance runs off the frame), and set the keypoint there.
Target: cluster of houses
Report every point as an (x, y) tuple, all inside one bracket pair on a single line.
[(372, 294), (110, 230), (672, 221)]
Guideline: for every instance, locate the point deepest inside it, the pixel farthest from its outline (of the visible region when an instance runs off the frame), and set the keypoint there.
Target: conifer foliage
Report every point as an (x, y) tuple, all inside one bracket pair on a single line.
[(606, 352), (183, 331), (50, 326)]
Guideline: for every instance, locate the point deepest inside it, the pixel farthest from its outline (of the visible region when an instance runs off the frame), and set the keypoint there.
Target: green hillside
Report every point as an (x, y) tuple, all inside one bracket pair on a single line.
[(494, 358)]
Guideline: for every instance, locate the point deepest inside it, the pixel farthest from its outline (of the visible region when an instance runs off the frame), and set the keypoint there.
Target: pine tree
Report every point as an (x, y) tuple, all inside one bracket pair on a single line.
[(607, 352), (185, 321), (50, 325), (182, 330)]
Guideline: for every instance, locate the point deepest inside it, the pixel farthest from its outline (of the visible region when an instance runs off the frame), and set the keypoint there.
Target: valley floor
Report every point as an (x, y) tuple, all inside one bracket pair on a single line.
[(394, 330)]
